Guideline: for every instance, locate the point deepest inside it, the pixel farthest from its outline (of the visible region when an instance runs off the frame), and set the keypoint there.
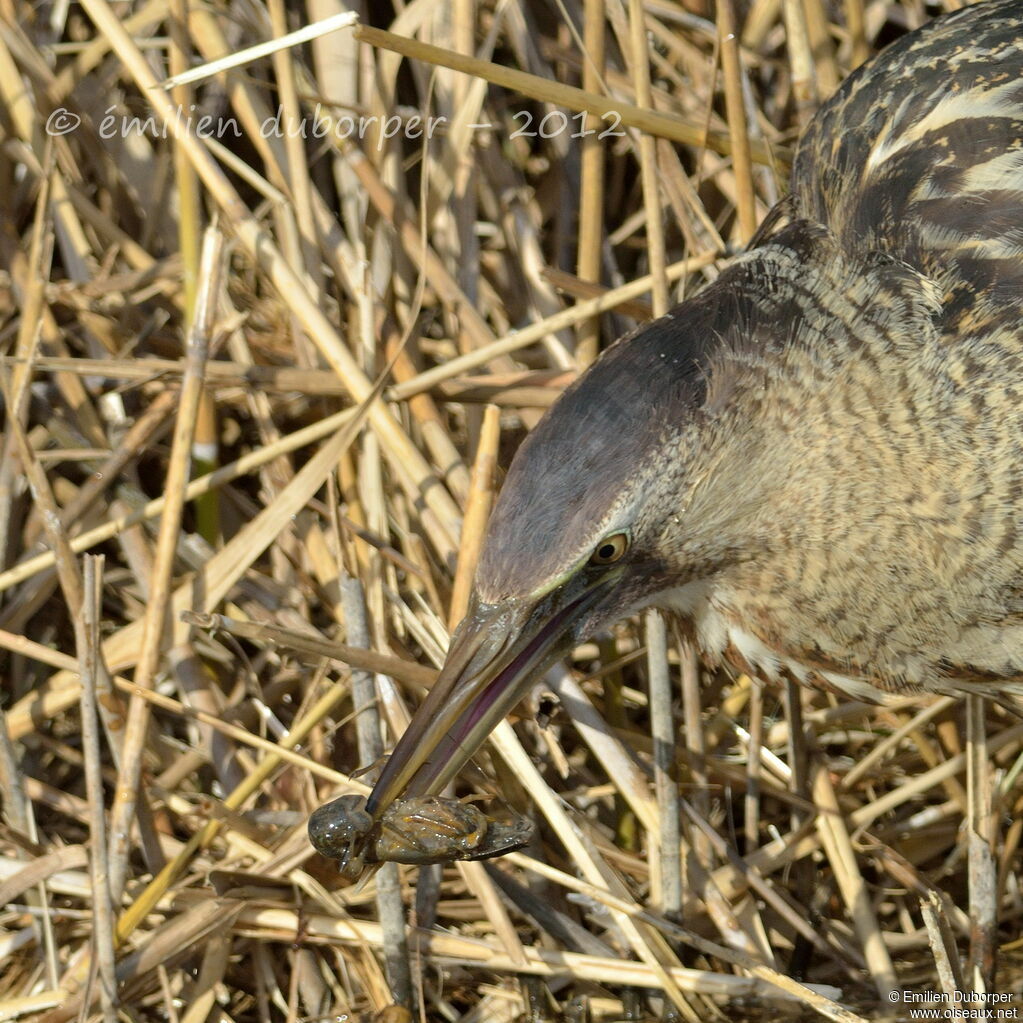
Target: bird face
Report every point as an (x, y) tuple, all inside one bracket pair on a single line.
[(573, 545), (501, 646)]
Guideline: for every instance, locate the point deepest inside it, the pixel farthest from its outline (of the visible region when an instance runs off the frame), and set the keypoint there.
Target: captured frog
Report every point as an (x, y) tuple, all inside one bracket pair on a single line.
[(424, 830)]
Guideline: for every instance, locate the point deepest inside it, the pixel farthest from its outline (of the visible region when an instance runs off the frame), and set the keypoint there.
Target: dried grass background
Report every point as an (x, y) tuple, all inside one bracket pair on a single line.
[(343, 371)]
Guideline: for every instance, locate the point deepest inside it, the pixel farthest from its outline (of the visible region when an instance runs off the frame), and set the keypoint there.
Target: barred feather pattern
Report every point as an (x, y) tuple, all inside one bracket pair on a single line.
[(920, 154)]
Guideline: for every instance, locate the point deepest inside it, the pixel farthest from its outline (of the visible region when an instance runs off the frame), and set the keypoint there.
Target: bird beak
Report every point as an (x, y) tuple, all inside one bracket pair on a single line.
[(496, 652)]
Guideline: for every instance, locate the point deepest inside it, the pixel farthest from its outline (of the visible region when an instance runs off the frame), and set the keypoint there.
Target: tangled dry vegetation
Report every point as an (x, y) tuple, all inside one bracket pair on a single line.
[(384, 307)]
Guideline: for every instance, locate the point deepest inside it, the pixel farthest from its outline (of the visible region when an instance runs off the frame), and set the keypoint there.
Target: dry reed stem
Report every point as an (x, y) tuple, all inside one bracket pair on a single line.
[(648, 159), (253, 53), (123, 810), (390, 910), (477, 512), (983, 873), (839, 850), (589, 261), (99, 865), (648, 121), (667, 865), (736, 109)]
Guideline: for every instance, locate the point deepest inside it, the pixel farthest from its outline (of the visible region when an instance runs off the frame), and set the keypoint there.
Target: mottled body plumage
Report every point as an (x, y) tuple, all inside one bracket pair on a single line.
[(873, 547)]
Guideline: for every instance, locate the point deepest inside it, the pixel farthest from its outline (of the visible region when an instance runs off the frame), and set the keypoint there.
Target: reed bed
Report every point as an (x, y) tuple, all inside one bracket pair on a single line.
[(271, 335)]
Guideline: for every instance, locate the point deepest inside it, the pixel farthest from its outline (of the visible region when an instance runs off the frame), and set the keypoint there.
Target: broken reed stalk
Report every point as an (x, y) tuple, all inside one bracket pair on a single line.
[(736, 107), (371, 749), (668, 875), (648, 160), (983, 872)]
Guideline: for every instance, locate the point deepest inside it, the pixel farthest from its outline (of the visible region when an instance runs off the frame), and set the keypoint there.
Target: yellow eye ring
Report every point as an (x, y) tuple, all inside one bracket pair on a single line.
[(611, 549)]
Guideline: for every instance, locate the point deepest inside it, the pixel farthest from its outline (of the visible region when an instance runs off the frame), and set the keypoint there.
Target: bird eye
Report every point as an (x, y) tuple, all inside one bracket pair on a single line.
[(610, 549)]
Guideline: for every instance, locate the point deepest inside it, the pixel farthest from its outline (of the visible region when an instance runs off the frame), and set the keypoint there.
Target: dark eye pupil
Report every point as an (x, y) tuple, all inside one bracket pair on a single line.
[(607, 551)]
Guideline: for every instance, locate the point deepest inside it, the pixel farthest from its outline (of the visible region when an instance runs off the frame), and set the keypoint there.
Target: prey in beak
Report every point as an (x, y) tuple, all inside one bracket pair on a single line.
[(495, 654)]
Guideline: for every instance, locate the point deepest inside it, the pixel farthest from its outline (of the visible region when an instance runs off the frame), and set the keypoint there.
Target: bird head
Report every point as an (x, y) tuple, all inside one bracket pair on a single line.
[(584, 531)]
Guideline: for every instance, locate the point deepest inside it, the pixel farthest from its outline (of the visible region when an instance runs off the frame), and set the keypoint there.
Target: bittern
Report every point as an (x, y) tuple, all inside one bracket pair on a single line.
[(815, 463)]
